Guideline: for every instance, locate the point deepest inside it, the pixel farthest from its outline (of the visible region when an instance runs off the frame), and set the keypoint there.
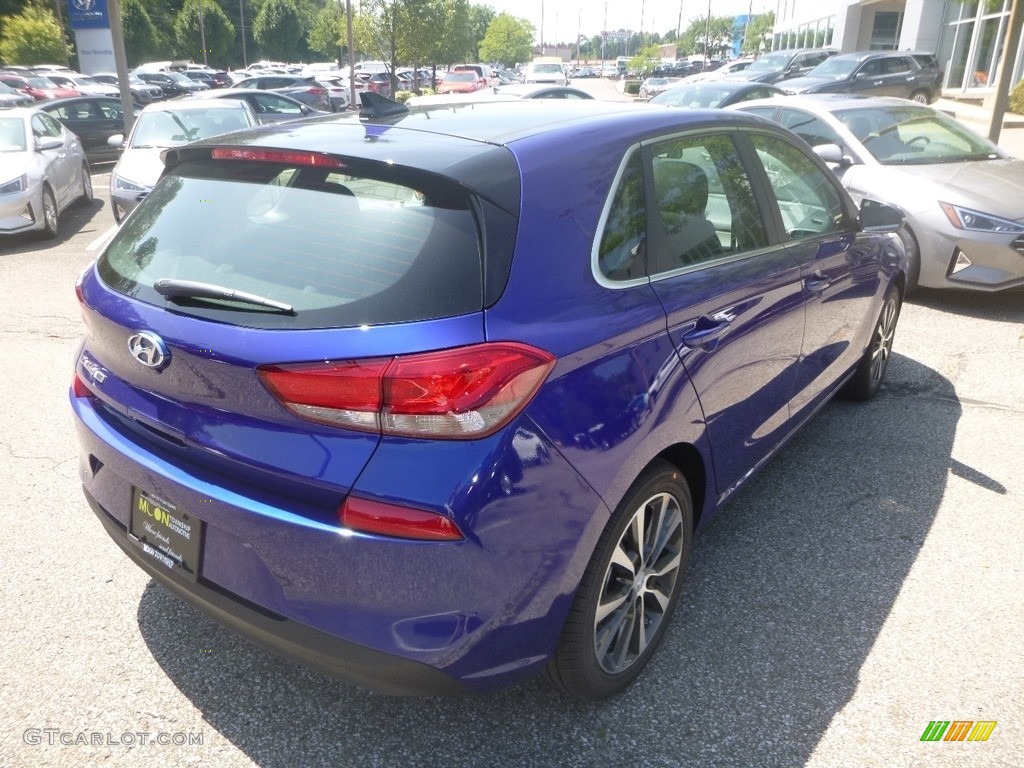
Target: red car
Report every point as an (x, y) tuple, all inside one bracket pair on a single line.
[(39, 88), (465, 81)]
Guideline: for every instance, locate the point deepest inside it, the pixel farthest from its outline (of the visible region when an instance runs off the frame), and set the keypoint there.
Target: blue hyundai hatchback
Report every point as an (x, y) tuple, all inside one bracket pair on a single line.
[(435, 401)]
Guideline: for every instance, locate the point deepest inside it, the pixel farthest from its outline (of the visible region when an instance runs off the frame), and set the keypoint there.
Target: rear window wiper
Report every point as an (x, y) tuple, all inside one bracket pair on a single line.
[(190, 289)]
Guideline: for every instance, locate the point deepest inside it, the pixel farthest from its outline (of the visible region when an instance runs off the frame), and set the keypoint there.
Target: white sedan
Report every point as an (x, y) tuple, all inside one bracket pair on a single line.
[(43, 170)]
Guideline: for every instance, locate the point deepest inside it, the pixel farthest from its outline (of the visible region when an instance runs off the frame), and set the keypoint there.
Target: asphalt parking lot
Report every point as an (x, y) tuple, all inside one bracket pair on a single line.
[(868, 581)]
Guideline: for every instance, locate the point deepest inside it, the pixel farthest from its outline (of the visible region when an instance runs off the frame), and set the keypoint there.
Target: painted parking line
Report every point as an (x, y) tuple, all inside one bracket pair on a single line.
[(102, 240)]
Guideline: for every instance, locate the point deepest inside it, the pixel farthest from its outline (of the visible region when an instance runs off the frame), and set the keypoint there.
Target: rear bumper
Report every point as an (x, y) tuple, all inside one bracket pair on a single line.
[(347, 661), (396, 616)]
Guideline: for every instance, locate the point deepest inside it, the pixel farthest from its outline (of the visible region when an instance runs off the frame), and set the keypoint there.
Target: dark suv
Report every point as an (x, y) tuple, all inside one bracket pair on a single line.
[(782, 65), (886, 73)]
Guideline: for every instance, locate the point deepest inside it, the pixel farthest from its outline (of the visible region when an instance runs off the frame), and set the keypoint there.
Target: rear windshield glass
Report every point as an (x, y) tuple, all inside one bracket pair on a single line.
[(340, 248)]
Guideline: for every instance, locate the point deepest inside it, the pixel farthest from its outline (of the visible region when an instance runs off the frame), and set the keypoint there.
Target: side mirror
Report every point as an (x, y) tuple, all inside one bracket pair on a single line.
[(879, 217), (861, 76), (48, 143), (116, 141), (833, 155)]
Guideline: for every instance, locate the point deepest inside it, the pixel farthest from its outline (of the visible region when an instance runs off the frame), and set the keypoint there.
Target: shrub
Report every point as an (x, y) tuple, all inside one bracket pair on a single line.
[(1017, 98), (404, 96), (632, 88)]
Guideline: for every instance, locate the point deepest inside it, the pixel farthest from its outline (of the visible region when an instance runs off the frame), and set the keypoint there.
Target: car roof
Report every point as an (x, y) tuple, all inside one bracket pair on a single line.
[(177, 105), (523, 90), (497, 123), (830, 102), (865, 55), (20, 112), (728, 85), (236, 93), (471, 143), (76, 99)]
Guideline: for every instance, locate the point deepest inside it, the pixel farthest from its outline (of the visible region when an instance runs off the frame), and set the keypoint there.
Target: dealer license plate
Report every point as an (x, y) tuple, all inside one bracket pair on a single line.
[(166, 534)]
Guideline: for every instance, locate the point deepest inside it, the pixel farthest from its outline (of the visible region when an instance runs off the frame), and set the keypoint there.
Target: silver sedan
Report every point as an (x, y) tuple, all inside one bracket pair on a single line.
[(962, 196), (43, 170)]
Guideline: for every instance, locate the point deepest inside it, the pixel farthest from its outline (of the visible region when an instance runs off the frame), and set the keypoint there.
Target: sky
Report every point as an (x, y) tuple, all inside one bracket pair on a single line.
[(562, 16)]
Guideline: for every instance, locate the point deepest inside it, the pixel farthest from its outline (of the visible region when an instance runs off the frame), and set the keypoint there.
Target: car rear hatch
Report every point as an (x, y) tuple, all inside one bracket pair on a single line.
[(246, 260)]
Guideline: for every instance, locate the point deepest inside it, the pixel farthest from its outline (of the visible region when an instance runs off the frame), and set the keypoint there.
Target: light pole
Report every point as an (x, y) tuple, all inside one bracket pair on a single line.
[(707, 37), (351, 57), (579, 13), (202, 32), (241, 16), (641, 26), (604, 38)]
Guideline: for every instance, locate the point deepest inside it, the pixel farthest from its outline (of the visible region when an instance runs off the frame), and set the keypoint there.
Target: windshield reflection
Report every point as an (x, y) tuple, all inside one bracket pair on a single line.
[(915, 135)]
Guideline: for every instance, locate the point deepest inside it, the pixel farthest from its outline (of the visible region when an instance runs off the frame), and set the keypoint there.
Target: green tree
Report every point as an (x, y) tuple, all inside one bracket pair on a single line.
[(33, 37), (644, 61), (328, 31), (759, 34), (454, 41), (142, 39), (419, 21), (697, 39), (201, 20), (508, 40), (478, 18), (279, 30)]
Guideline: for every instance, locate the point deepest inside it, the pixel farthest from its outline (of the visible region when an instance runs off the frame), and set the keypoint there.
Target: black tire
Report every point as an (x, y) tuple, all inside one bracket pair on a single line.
[(87, 192), (599, 657), (870, 373), (921, 97), (50, 213), (913, 258)]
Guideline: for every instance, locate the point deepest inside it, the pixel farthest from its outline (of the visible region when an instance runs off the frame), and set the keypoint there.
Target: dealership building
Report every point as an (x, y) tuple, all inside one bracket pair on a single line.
[(967, 37)]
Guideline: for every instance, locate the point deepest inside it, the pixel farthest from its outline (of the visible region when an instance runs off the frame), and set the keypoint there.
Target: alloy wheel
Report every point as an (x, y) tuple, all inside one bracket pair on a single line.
[(638, 583), (882, 344)]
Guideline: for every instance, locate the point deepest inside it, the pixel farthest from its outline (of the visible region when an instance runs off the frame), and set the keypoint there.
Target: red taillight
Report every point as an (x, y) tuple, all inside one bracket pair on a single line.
[(393, 520), (317, 91), (79, 388), (314, 159), (83, 308), (467, 392)]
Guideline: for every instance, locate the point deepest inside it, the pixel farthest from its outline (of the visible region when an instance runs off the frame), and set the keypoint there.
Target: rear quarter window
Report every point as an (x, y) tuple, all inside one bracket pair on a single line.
[(341, 248)]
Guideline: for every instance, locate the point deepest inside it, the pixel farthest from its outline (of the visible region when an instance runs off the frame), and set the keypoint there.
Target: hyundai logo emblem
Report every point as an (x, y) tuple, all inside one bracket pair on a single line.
[(149, 349)]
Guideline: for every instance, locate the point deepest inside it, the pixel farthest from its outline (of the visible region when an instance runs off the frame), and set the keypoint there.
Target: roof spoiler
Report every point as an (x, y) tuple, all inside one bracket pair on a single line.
[(375, 105)]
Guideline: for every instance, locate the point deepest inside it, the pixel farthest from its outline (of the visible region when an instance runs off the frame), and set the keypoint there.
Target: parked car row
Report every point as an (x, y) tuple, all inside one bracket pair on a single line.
[(905, 74), (964, 224)]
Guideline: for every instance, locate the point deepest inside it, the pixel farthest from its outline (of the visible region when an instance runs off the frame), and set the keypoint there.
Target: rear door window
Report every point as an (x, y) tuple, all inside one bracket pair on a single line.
[(341, 247), (704, 204)]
